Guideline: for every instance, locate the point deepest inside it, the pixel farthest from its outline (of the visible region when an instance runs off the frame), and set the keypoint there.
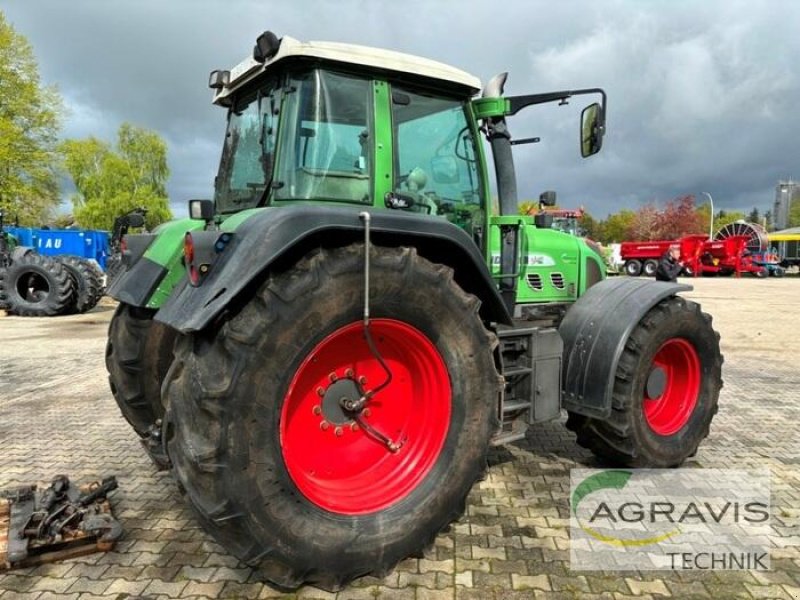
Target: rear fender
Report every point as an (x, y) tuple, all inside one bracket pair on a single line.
[(595, 331), (278, 237)]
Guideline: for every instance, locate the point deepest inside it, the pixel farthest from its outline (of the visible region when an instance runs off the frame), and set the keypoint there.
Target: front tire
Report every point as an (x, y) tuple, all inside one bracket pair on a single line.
[(666, 390), (278, 474)]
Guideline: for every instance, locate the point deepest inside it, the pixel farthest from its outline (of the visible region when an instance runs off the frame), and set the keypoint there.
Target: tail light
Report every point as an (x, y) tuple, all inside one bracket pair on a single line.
[(188, 258)]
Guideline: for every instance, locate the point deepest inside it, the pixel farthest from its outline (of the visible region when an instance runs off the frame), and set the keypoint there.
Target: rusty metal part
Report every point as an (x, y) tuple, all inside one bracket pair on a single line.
[(58, 513)]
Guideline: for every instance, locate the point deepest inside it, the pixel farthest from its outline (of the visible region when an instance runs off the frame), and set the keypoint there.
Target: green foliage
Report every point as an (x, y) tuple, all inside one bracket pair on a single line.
[(723, 218), (30, 119), (616, 227), (590, 226), (113, 181)]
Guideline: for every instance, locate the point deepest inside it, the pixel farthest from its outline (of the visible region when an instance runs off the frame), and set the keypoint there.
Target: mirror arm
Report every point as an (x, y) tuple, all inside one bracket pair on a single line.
[(517, 103), (530, 140)]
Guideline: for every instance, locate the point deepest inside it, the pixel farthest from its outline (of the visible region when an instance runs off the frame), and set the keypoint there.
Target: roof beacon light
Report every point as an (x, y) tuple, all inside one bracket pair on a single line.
[(266, 46), (219, 79)]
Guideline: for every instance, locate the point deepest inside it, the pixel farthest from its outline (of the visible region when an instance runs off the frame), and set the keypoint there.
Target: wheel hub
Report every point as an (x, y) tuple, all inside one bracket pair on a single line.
[(656, 383), (336, 397)]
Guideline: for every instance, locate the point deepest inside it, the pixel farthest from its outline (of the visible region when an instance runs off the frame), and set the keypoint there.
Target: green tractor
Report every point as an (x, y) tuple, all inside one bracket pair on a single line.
[(325, 353)]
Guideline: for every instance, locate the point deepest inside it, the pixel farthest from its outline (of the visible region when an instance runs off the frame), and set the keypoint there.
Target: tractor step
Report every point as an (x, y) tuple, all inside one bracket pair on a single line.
[(532, 371), (515, 406), (517, 372)]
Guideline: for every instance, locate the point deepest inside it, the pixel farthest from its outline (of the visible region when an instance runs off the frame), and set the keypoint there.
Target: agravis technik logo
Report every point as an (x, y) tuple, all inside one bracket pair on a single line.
[(669, 519)]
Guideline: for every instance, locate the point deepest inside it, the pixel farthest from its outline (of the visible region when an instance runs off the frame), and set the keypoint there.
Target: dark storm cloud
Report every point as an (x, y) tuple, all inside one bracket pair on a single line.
[(701, 95)]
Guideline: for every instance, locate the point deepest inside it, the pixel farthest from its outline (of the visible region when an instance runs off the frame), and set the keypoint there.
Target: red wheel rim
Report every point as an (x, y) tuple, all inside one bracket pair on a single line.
[(333, 462), (668, 411)]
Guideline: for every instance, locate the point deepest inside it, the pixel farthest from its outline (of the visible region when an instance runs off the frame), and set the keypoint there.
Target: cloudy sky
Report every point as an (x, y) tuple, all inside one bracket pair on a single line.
[(702, 95)]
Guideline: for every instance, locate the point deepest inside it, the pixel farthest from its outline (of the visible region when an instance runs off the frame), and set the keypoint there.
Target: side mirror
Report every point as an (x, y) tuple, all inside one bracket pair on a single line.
[(201, 210), (592, 129), (444, 169), (547, 198)]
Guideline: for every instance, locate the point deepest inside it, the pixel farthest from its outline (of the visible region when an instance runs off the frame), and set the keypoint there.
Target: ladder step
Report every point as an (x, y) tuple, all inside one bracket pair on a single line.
[(517, 371), (509, 407), (507, 438)]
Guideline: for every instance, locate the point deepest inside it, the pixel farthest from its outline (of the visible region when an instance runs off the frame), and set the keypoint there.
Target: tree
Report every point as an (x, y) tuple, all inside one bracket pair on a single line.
[(617, 227), (754, 216), (113, 181), (678, 218), (30, 119), (590, 226), (723, 218), (643, 223)]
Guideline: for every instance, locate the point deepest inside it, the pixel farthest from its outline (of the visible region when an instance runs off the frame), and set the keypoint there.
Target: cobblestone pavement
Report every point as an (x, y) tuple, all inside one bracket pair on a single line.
[(57, 416)]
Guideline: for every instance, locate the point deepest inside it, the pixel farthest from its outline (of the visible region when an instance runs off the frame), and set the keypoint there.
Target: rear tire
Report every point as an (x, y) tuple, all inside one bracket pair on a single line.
[(138, 356), (649, 268), (270, 481), (633, 268), (35, 286), (677, 339)]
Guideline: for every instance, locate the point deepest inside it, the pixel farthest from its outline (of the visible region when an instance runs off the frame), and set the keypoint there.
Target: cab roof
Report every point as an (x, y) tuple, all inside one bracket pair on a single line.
[(373, 58)]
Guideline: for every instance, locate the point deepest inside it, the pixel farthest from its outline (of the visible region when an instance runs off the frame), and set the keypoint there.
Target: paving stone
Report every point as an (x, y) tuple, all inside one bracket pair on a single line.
[(90, 571), (768, 591), (124, 586), (530, 582), (84, 584), (172, 589), (57, 585), (655, 588)]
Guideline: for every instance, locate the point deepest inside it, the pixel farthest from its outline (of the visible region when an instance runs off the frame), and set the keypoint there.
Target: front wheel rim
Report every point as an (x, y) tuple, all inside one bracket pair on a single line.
[(330, 459), (676, 363)]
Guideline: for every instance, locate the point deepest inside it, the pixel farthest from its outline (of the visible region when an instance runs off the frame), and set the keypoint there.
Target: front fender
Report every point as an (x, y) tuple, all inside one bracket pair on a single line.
[(287, 233), (595, 331)]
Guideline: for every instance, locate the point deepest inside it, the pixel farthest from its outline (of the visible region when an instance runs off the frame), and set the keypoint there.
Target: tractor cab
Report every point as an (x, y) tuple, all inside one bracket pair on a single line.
[(339, 124)]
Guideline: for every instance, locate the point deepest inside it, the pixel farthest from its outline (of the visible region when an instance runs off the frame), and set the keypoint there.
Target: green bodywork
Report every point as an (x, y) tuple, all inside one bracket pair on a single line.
[(554, 266), (448, 181), (167, 250)]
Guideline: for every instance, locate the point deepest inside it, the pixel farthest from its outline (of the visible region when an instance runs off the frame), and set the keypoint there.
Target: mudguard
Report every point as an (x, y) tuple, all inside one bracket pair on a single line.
[(272, 234), (595, 331)]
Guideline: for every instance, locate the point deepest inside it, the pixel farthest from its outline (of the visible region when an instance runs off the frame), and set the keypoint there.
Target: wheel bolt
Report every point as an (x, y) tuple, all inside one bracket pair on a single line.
[(317, 409), (320, 391), (367, 412), (362, 380), (333, 377), (349, 373), (324, 425), (338, 431), (353, 426)]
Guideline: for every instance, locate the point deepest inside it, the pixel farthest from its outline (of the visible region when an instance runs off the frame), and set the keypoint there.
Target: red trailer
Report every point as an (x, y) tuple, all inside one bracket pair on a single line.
[(698, 254)]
